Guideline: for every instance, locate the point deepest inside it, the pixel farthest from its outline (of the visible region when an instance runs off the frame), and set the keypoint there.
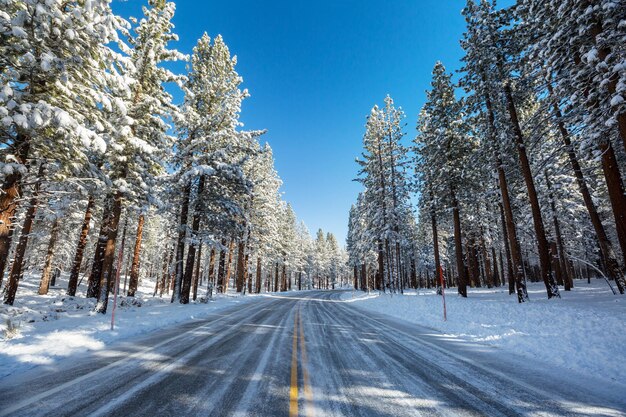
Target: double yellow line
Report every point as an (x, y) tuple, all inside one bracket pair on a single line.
[(293, 390)]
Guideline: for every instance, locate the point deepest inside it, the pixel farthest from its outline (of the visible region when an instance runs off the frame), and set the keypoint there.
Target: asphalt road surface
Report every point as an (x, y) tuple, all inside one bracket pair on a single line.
[(306, 354)]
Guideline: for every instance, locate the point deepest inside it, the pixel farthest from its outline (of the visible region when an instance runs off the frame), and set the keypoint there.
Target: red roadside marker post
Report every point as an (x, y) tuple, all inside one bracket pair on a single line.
[(443, 293)]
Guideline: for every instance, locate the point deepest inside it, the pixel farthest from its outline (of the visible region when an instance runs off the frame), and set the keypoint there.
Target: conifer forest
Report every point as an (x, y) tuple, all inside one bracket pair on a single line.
[(154, 262)]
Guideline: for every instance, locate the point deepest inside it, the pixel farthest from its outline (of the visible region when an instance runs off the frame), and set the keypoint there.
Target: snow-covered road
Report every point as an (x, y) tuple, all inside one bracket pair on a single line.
[(307, 354)]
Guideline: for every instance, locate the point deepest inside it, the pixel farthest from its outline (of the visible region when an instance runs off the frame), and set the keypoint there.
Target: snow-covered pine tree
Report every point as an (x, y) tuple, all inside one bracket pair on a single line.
[(578, 45), (139, 146), (54, 82), (444, 144), (211, 153), (384, 178)]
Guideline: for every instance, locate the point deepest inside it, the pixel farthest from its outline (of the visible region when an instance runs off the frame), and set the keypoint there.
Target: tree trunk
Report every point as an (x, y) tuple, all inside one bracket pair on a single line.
[(246, 275), (211, 274), (114, 269), (473, 264), (458, 245), (9, 199), (606, 247), (221, 268), (44, 284), (543, 248), (510, 233), (229, 265), (168, 273), (257, 285), (109, 253), (180, 243), (164, 273), (496, 274), (196, 275), (191, 252), (241, 249), (433, 220), (18, 263), (560, 246), (381, 267), (134, 269), (617, 198), (80, 248), (93, 284), (283, 279)]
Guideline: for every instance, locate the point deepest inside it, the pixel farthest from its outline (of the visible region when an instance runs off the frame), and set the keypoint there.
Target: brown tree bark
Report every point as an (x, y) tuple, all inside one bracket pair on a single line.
[(109, 253), (381, 267), (257, 285), (617, 198), (365, 284), (221, 269), (191, 252), (483, 250), (229, 264), (560, 246), (164, 271), (134, 269), (283, 279), (473, 264), (18, 262), (93, 284), (168, 274), (10, 192), (240, 279), (543, 248), (433, 220), (180, 243), (510, 233), (458, 246), (211, 274), (114, 265), (246, 275), (496, 274), (196, 275), (80, 248), (606, 247), (44, 283)]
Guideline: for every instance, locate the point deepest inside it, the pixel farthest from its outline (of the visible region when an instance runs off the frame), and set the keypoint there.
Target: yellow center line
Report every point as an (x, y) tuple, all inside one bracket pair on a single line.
[(308, 394), (293, 391)]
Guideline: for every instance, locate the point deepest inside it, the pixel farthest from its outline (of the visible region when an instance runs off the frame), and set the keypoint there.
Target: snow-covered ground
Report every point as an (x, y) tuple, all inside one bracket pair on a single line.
[(584, 331), (56, 326)]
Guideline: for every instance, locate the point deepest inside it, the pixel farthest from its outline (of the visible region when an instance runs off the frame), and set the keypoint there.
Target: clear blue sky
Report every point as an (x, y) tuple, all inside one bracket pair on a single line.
[(314, 70)]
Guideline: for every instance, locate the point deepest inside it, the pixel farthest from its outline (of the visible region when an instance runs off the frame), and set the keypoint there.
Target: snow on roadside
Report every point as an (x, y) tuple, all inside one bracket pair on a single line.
[(56, 326), (584, 331)]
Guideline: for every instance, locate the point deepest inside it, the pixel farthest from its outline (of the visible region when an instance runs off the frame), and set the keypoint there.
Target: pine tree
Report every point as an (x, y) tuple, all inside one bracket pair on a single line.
[(444, 146), (53, 78), (138, 148), (211, 153)]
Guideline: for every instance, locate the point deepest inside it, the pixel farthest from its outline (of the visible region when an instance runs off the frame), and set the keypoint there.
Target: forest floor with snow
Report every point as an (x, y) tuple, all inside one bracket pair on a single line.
[(583, 331), (55, 326)]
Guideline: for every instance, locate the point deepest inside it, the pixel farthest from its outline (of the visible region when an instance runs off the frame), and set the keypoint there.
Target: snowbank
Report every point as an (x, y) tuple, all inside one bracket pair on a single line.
[(55, 326), (584, 331)]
